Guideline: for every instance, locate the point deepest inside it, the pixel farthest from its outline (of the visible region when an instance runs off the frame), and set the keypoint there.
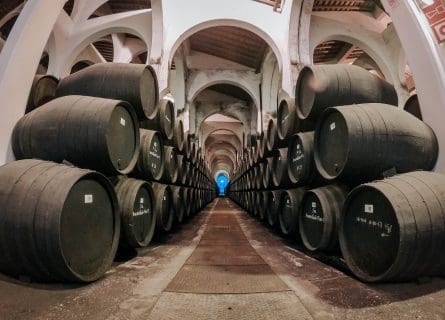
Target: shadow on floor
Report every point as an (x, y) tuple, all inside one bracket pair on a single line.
[(328, 277)]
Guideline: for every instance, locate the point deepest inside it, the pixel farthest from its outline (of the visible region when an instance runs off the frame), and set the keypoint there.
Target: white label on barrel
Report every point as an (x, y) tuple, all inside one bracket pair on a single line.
[(298, 146), (369, 208), (165, 198), (88, 198), (314, 205), (332, 126), (123, 122), (142, 201)]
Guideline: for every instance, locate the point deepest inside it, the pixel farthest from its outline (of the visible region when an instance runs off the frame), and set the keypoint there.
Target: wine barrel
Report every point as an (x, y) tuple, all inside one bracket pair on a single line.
[(259, 208), (94, 133), (43, 90), (261, 172), (300, 159), (320, 215), (150, 164), (178, 135), (163, 121), (322, 86), (170, 172), (394, 230), (135, 83), (280, 174), (181, 169), (58, 223), (360, 142), (273, 141), (264, 198), (187, 202), (268, 173), (164, 208), (273, 203), (179, 203), (290, 204), (138, 219), (412, 106), (288, 122)]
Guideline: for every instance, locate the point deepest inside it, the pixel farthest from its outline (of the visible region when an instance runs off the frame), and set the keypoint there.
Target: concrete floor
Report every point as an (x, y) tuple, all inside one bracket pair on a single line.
[(223, 265)]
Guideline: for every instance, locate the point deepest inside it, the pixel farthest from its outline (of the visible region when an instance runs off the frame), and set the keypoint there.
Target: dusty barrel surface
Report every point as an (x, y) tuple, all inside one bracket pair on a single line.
[(163, 121), (288, 122), (57, 223), (273, 203), (164, 208), (300, 159), (178, 135), (320, 215), (150, 164), (178, 203), (322, 86), (361, 142), (170, 172), (135, 83), (138, 220), (43, 90), (280, 174), (394, 229), (95, 133), (412, 105), (273, 141), (290, 203), (181, 169)]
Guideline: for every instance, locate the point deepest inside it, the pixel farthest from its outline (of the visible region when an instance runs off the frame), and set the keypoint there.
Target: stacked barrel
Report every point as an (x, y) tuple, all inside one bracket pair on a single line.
[(100, 167), (344, 171)]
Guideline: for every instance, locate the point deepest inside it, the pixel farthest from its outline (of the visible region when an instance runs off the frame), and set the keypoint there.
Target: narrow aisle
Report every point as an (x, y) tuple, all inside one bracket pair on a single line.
[(225, 278)]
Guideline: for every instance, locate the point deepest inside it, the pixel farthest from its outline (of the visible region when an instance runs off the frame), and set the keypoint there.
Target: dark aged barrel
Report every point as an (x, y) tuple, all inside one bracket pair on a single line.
[(360, 142), (322, 86), (273, 208), (150, 163), (300, 159), (138, 220), (43, 90), (57, 223), (135, 83), (394, 229), (178, 135), (288, 122), (289, 204), (262, 213), (164, 208), (93, 133), (178, 203), (181, 169), (412, 106), (259, 202), (267, 173), (262, 173), (187, 202), (170, 172), (280, 175), (320, 215), (273, 141), (163, 121)]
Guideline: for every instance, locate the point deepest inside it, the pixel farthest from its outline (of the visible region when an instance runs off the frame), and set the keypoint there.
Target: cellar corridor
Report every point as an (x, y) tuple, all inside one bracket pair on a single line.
[(223, 265)]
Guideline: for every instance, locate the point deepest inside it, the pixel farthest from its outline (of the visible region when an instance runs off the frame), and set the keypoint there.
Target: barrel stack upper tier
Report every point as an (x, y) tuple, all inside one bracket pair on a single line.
[(135, 83), (89, 132), (359, 143), (323, 86)]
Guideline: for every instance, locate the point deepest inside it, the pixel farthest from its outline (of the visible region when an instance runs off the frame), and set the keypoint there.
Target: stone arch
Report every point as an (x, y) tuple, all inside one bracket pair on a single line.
[(227, 23)]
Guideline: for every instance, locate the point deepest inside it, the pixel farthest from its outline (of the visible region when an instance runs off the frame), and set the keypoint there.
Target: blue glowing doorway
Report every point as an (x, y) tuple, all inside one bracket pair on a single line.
[(222, 181)]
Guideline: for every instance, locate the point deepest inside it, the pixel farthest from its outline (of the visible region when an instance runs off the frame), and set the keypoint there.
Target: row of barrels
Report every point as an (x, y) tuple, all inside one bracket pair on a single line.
[(341, 132), (98, 168), (387, 230), (62, 223)]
